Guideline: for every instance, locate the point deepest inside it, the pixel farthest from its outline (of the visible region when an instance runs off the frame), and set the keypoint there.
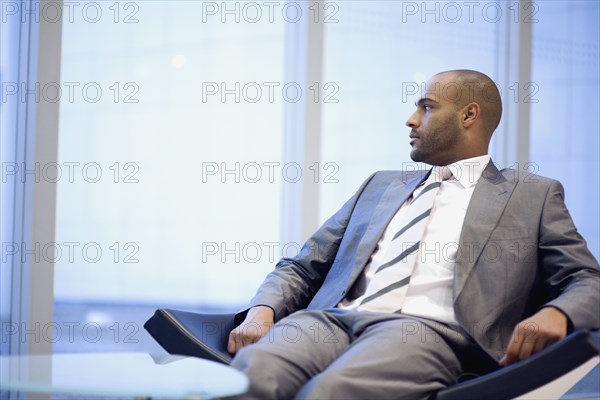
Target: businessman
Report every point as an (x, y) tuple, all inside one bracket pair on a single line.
[(423, 275)]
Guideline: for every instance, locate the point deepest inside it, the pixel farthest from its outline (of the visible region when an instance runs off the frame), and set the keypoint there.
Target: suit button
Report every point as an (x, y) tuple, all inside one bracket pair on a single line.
[(343, 293)]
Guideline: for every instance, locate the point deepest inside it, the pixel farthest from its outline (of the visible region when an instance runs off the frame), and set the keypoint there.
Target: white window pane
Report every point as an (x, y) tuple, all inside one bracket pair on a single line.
[(152, 124), (377, 54), (564, 120)]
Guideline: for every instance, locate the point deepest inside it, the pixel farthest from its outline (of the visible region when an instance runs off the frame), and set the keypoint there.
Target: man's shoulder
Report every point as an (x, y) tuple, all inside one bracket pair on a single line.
[(525, 176), (389, 176), (525, 182)]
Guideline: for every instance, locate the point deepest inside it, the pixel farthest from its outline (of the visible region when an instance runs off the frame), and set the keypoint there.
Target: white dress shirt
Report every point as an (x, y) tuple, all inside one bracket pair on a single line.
[(431, 284), (430, 290)]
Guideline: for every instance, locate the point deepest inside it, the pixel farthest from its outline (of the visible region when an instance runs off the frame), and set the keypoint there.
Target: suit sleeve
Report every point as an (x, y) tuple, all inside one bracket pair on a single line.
[(294, 282), (573, 272)]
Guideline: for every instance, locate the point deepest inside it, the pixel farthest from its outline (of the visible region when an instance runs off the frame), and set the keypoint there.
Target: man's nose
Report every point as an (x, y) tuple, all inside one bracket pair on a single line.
[(412, 122)]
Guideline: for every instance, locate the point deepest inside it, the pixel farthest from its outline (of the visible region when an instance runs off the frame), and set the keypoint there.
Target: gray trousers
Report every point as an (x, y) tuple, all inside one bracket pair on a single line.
[(340, 354)]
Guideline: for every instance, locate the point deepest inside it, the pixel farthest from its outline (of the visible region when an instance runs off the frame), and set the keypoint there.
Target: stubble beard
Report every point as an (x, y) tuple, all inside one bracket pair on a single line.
[(435, 143)]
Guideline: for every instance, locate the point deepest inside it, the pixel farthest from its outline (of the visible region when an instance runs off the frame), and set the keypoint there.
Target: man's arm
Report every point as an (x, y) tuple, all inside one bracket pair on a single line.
[(573, 281), (294, 281)]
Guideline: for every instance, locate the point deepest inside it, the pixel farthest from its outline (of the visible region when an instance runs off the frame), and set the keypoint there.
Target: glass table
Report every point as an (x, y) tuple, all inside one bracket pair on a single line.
[(139, 375)]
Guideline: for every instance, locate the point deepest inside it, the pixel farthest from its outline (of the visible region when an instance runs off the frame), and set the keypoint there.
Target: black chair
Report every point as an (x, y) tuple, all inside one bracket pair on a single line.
[(206, 336)]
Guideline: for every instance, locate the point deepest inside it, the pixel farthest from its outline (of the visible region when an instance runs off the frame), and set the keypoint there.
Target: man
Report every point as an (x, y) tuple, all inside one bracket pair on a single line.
[(424, 275)]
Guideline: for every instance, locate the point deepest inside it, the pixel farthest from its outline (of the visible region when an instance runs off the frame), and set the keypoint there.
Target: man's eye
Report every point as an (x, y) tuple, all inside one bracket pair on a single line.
[(426, 107)]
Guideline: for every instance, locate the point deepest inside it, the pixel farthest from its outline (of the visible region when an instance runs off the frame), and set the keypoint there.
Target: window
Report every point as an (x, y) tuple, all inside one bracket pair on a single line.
[(564, 115), (174, 147), (377, 56), (172, 116)]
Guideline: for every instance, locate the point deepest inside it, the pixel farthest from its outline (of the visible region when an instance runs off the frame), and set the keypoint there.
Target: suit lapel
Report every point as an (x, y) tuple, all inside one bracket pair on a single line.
[(394, 196), (487, 204)]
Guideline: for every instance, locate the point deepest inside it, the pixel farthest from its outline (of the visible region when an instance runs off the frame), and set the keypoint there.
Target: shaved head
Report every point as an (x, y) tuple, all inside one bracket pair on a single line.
[(475, 87)]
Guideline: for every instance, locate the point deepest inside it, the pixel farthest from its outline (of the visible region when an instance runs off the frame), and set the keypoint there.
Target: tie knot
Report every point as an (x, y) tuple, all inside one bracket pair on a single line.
[(441, 173)]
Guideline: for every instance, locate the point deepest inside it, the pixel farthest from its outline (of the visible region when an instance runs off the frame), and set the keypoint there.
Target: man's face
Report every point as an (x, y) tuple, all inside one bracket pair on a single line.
[(435, 130)]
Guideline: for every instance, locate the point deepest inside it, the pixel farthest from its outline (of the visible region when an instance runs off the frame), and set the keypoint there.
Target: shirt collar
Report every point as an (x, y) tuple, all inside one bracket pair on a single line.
[(467, 171)]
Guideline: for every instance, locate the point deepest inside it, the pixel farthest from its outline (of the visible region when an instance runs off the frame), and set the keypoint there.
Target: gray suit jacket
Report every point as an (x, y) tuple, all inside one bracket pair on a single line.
[(519, 251)]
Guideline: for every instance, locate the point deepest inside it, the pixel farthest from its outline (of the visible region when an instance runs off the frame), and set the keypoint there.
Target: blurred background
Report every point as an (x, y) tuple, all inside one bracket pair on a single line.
[(196, 143)]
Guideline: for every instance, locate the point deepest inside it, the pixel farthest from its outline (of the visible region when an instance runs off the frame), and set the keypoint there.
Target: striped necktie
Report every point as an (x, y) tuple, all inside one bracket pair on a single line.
[(388, 286)]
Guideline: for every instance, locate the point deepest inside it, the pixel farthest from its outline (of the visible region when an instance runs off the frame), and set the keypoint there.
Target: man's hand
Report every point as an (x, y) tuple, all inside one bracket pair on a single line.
[(256, 325), (534, 334)]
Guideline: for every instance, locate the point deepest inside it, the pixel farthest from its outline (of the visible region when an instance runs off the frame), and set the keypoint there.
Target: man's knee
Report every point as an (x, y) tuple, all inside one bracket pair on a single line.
[(252, 357), (260, 367), (341, 383), (329, 384)]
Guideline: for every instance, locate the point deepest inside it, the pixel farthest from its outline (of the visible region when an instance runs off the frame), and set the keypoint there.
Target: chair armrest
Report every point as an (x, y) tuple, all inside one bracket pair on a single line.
[(192, 334), (529, 374)]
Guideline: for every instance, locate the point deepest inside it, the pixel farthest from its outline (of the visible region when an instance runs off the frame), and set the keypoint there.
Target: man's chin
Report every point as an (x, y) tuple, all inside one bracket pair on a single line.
[(416, 156)]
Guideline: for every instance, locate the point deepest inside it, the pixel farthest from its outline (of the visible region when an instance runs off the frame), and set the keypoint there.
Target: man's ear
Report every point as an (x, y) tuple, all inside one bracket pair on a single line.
[(470, 114)]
